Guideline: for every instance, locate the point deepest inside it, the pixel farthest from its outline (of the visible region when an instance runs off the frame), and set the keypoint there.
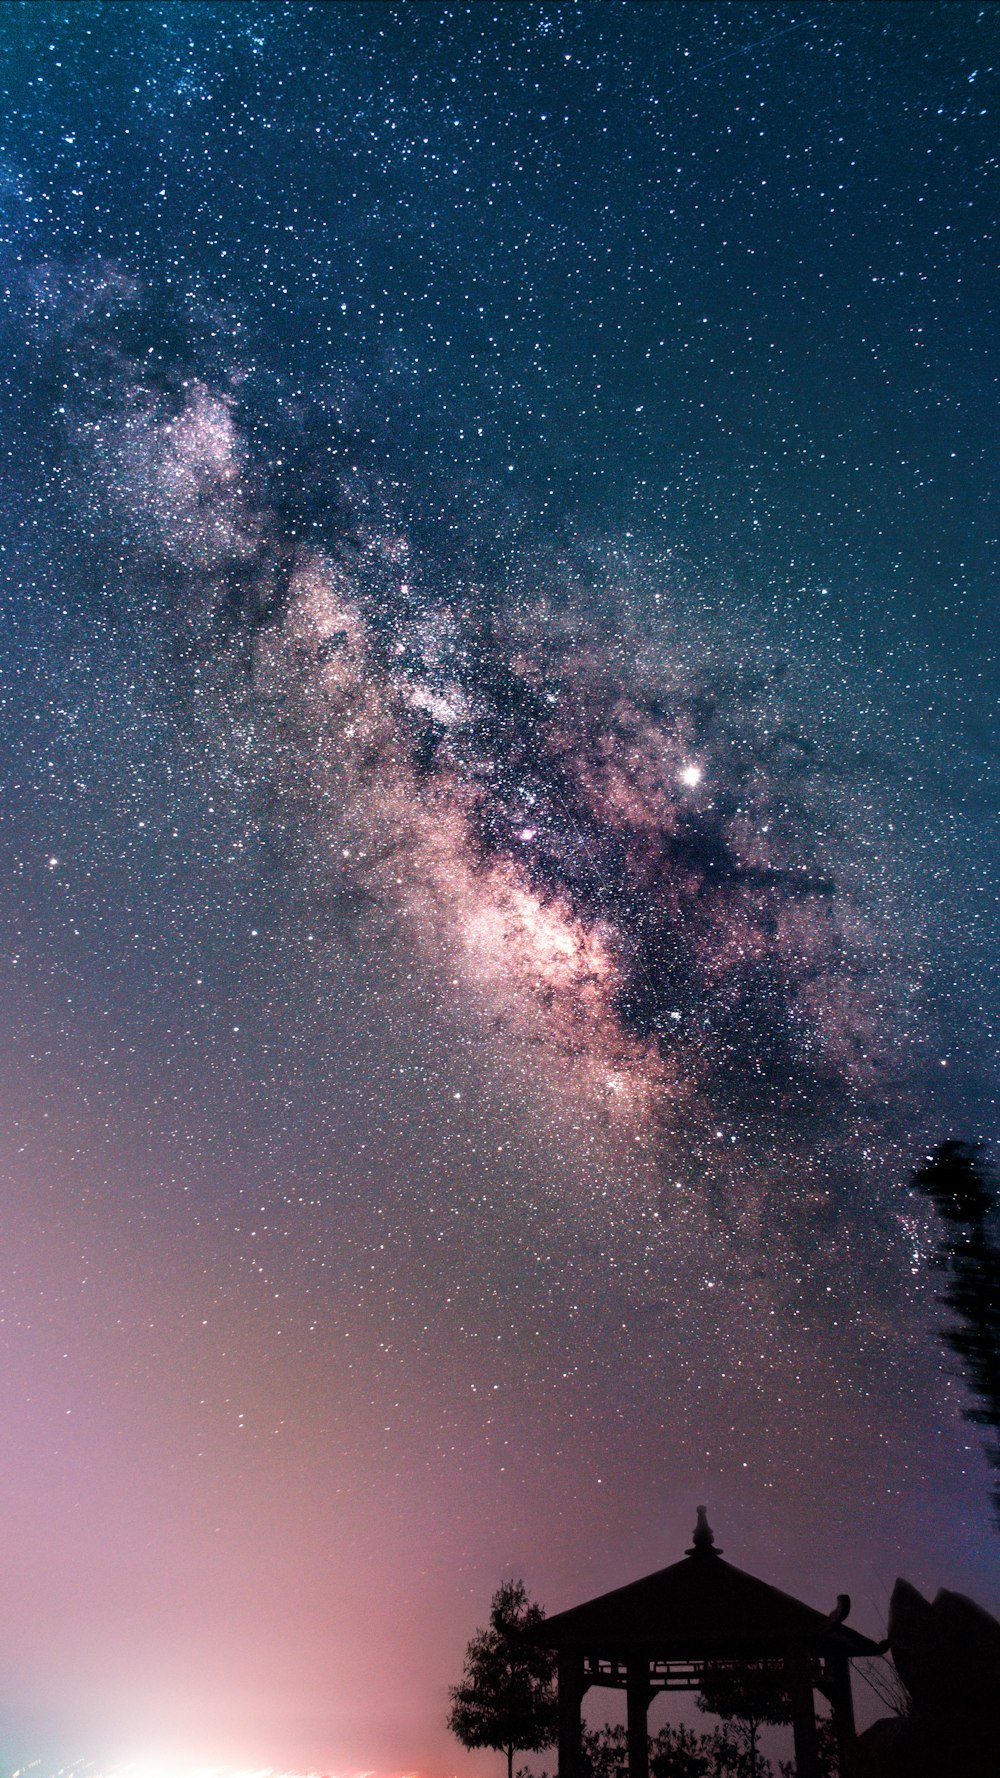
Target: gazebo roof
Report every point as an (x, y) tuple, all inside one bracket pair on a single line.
[(700, 1608)]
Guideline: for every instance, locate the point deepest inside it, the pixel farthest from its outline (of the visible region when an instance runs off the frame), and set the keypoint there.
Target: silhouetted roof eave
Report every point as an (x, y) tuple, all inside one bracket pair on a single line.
[(700, 1608)]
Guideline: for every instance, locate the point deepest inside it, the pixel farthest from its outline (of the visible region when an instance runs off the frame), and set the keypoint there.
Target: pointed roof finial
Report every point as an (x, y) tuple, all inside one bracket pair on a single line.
[(703, 1542)]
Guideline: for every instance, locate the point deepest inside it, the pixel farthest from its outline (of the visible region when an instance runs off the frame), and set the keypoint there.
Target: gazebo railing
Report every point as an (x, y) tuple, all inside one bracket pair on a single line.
[(664, 1676)]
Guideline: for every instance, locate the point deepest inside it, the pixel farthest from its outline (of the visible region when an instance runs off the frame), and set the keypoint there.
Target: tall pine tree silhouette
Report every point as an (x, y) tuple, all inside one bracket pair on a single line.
[(965, 1198)]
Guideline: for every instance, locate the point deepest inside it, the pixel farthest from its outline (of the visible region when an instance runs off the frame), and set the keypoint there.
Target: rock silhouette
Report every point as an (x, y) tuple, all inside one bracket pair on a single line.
[(947, 1653)]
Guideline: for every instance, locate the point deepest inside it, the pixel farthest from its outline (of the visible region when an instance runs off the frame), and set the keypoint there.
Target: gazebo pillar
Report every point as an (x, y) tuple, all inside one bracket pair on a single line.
[(837, 1673), (638, 1693), (798, 1670), (570, 1687)]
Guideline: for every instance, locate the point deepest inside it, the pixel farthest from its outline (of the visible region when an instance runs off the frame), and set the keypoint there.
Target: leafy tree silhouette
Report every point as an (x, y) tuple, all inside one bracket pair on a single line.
[(747, 1697), (678, 1752), (506, 1698), (965, 1198)]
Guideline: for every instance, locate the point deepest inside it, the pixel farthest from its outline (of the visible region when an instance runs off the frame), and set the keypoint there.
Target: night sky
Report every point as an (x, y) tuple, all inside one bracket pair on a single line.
[(498, 840)]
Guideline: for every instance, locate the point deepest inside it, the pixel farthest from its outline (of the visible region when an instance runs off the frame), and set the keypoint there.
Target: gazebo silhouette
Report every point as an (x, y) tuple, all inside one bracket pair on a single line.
[(664, 1632)]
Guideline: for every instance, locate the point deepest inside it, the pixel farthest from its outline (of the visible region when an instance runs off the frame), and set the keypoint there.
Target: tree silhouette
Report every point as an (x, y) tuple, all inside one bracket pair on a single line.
[(506, 1698), (678, 1752), (747, 1697), (604, 1751), (965, 1198)]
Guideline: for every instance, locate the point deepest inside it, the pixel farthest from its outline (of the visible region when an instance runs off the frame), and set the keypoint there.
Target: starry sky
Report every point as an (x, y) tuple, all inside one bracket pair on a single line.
[(498, 839)]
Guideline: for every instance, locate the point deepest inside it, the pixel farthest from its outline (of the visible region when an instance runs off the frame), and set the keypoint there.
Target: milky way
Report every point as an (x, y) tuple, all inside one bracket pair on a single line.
[(574, 782)]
